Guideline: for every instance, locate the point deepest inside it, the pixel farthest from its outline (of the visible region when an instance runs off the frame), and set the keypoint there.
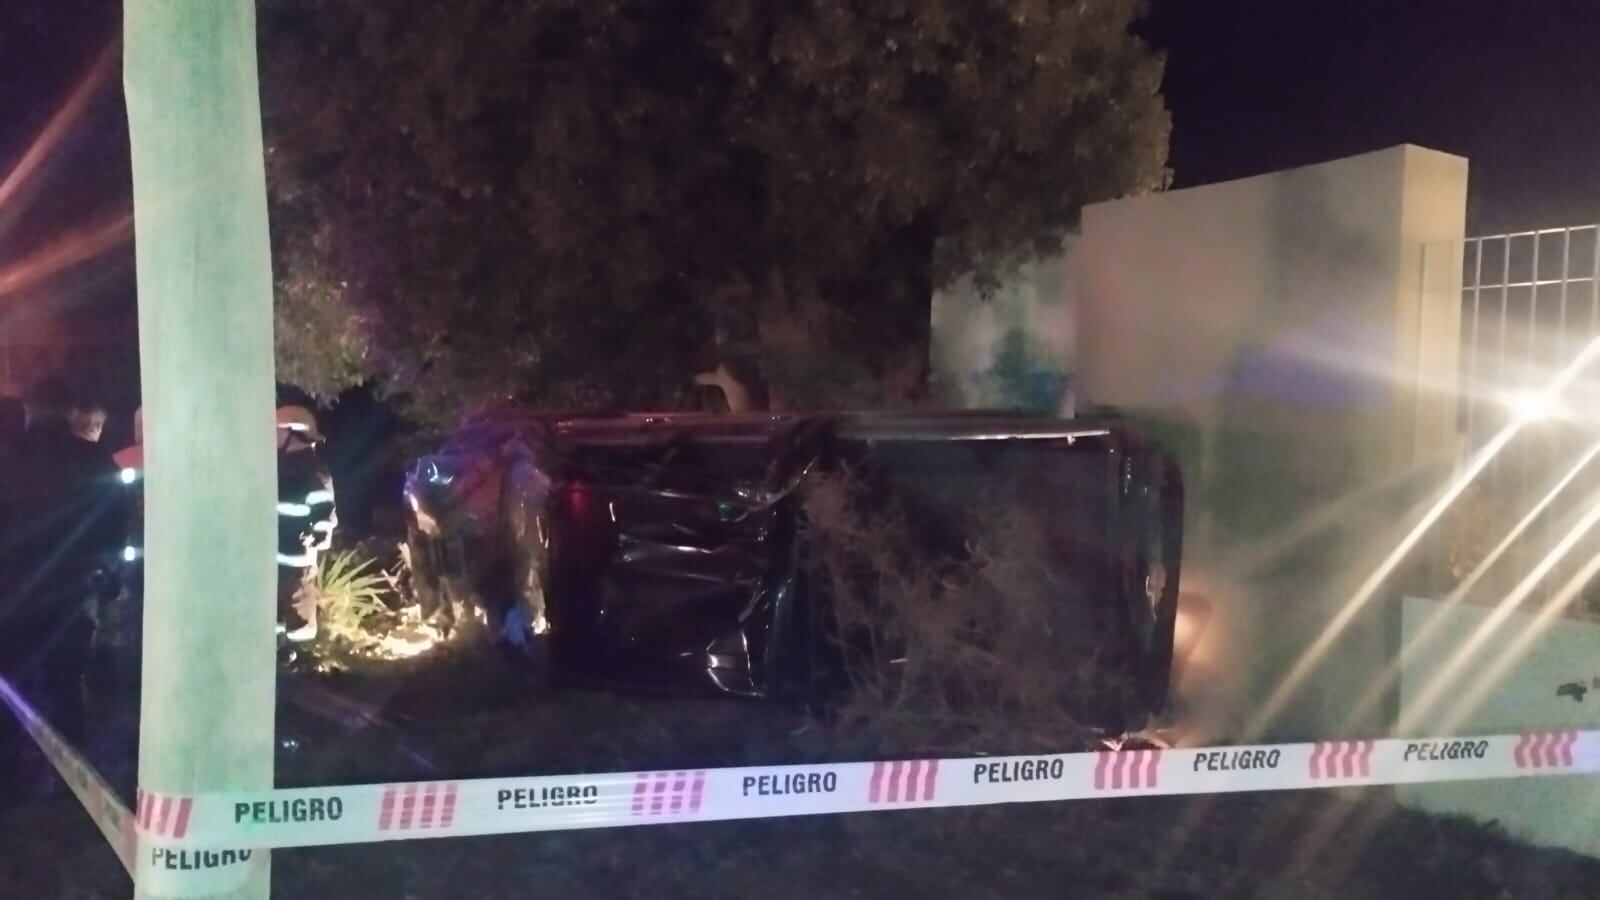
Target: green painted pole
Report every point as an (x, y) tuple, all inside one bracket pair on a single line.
[(205, 349)]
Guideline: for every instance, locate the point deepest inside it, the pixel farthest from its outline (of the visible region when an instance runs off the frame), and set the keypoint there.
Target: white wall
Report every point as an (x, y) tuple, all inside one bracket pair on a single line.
[(1274, 330)]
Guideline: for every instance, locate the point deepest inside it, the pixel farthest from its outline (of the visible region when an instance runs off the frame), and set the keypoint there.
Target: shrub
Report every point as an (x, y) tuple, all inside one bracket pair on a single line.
[(349, 590), (984, 649)]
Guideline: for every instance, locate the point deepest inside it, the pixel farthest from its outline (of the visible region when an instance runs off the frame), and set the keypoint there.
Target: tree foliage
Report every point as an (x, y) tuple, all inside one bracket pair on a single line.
[(575, 200)]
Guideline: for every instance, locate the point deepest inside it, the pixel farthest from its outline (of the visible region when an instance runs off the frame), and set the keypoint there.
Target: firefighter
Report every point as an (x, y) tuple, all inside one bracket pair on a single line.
[(131, 458), (306, 519), (306, 513)]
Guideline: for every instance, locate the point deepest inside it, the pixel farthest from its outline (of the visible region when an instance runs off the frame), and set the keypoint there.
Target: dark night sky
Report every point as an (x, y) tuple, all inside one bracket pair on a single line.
[(1513, 85), (46, 47), (1254, 85)]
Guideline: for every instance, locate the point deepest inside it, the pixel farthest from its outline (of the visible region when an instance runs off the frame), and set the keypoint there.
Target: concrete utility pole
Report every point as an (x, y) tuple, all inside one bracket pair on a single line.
[(205, 347)]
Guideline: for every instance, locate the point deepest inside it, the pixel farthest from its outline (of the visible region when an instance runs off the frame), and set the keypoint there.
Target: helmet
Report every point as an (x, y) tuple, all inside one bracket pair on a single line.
[(300, 421)]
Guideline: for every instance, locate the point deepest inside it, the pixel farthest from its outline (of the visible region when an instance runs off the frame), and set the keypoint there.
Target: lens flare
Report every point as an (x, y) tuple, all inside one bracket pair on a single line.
[(1319, 648), (75, 248), (1445, 678), (1533, 406), (1510, 656), (1425, 636), (1357, 602), (60, 124)]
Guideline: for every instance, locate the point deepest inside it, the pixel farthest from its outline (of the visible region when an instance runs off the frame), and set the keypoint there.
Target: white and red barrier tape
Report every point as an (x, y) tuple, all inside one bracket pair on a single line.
[(162, 870), (214, 835), (381, 812), (107, 812)]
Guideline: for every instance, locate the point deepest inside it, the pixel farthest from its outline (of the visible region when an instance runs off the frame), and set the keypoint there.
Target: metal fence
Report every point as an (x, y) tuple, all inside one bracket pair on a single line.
[(1531, 301), (1530, 304)]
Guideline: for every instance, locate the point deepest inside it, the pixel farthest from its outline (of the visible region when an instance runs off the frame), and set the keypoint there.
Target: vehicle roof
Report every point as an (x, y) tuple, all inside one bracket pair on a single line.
[(627, 427)]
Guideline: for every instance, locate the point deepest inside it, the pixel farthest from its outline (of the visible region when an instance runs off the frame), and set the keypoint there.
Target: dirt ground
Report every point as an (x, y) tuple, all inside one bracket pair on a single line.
[(470, 719)]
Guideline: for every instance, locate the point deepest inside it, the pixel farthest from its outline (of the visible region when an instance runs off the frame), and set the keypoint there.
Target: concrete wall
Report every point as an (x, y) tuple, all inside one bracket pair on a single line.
[(1276, 330), (1558, 811)]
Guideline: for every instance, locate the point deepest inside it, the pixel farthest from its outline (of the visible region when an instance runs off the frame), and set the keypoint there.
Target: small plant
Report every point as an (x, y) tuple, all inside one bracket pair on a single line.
[(348, 591)]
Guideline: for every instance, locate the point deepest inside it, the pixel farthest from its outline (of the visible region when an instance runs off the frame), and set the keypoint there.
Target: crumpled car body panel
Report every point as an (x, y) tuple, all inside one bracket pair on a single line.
[(663, 552)]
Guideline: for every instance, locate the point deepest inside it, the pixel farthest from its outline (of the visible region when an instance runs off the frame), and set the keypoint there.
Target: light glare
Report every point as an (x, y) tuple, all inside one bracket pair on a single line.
[(1532, 406)]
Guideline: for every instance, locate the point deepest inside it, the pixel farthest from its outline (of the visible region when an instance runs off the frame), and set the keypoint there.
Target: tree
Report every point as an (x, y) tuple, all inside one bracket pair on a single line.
[(578, 200)]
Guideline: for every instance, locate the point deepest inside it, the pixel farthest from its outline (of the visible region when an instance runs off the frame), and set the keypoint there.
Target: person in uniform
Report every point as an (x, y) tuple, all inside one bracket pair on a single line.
[(306, 519)]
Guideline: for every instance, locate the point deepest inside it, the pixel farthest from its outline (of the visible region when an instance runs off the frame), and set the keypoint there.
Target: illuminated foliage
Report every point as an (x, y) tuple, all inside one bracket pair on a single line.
[(575, 200)]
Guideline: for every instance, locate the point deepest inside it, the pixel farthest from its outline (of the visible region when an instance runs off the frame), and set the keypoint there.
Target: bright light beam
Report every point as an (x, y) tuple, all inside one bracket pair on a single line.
[(1352, 607), (1513, 654), (1375, 692), (82, 245), (1502, 611), (1319, 648), (1327, 516), (1533, 406), (61, 122)]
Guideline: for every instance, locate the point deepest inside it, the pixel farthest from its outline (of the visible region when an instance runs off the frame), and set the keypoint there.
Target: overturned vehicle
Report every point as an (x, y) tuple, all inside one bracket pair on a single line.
[(688, 553)]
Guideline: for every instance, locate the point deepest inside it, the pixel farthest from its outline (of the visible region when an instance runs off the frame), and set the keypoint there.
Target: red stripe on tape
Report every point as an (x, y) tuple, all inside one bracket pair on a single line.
[(641, 785), (668, 792), (903, 781), (386, 809), (1532, 758), (1102, 760), (661, 788), (1545, 749), (408, 806), (180, 827), (1153, 769), (447, 815), (678, 784), (430, 796), (1341, 759), (419, 804)]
